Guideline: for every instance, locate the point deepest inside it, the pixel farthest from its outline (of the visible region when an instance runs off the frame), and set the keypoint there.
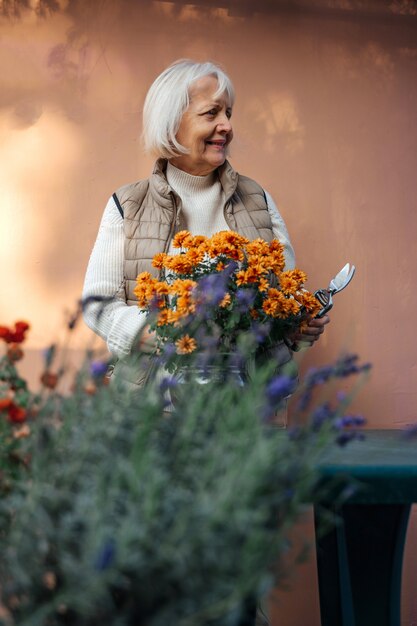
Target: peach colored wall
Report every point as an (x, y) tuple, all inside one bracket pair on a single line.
[(324, 119)]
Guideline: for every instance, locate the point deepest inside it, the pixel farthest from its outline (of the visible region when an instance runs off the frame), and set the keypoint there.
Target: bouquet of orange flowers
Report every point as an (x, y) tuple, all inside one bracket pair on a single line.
[(223, 285)]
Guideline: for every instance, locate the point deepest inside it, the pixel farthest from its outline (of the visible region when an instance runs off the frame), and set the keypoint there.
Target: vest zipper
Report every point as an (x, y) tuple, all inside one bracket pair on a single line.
[(226, 215), (174, 223)]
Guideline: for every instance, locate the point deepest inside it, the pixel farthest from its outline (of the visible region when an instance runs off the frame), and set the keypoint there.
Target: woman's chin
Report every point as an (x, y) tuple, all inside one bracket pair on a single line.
[(217, 160)]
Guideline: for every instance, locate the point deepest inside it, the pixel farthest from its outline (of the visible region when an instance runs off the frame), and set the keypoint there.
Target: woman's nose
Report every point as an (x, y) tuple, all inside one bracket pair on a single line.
[(225, 125)]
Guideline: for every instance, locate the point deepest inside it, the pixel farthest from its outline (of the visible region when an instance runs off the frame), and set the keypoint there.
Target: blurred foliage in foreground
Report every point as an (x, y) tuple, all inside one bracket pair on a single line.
[(127, 515)]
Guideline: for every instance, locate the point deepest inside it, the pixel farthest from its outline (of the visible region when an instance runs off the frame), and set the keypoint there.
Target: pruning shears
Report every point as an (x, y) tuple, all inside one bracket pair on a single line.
[(339, 282)]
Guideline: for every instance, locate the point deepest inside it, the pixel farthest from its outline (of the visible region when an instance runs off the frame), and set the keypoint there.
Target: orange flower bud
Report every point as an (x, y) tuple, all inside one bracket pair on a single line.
[(90, 388), (14, 353), (22, 432), (5, 403), (49, 379)]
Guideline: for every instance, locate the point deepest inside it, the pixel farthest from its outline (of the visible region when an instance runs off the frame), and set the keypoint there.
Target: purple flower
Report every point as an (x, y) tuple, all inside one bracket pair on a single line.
[(347, 365), (165, 355), (168, 382), (105, 556), (344, 367), (245, 298), (349, 421), (279, 388), (98, 369), (231, 267), (49, 355), (321, 415), (261, 332), (211, 290)]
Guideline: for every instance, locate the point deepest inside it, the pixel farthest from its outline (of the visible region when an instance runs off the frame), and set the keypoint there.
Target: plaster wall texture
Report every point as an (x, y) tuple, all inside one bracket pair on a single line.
[(324, 120)]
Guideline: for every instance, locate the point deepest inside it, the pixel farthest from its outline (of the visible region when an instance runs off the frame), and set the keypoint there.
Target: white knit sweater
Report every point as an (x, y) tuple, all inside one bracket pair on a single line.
[(202, 214)]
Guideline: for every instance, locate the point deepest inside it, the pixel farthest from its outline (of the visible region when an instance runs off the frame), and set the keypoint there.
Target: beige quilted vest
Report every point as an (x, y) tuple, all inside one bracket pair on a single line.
[(152, 210)]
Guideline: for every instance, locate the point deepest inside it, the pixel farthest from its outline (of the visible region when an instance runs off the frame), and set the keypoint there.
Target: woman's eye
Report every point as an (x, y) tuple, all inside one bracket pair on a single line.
[(211, 112)]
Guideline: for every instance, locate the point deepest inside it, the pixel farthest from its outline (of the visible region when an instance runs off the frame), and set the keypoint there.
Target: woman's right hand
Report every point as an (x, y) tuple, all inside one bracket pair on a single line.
[(311, 332)]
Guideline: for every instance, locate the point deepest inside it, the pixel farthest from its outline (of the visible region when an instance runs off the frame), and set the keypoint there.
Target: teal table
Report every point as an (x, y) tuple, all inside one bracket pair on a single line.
[(360, 559)]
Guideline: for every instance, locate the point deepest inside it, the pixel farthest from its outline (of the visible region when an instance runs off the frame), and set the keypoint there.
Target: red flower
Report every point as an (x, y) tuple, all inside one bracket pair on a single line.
[(14, 353), (14, 336), (5, 403), (5, 334), (21, 327), (49, 379), (17, 414)]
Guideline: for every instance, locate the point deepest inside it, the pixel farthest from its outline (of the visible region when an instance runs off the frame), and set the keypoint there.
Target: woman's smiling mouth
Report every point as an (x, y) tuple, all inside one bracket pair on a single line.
[(220, 143)]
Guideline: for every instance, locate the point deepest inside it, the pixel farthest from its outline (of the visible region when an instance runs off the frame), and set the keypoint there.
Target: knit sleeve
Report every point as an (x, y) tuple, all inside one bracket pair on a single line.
[(280, 232), (116, 322)]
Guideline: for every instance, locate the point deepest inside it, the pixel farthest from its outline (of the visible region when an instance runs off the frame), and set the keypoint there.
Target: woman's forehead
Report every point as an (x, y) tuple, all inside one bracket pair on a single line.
[(206, 89)]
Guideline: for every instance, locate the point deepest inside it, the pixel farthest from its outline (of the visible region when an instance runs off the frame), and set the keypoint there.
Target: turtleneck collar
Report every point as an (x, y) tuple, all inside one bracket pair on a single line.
[(181, 181), (161, 187)]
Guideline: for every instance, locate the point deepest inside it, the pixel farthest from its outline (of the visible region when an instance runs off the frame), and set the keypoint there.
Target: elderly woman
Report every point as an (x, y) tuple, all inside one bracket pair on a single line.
[(187, 126)]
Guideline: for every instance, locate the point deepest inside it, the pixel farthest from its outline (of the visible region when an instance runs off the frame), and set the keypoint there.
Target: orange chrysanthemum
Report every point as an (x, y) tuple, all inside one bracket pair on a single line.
[(144, 277), (147, 288), (250, 275), (276, 261), (166, 316), (276, 246), (277, 304), (241, 278), (227, 243), (198, 241), (159, 260), (226, 301), (182, 286), (230, 237), (185, 345), (259, 264), (181, 239), (216, 249), (288, 285), (263, 285), (293, 307), (195, 256), (185, 305), (309, 302), (163, 317), (270, 307), (180, 264), (258, 247), (174, 317), (298, 275), (161, 289)]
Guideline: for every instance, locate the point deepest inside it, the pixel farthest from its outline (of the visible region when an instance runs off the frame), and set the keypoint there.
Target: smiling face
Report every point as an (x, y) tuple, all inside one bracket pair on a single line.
[(205, 129)]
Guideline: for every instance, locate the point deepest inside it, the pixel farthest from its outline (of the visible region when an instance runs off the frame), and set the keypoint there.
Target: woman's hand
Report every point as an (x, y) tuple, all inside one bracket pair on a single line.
[(311, 332), (147, 340)]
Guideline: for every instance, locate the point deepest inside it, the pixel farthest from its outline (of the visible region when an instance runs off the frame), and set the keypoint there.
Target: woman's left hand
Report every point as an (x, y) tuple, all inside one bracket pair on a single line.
[(312, 331)]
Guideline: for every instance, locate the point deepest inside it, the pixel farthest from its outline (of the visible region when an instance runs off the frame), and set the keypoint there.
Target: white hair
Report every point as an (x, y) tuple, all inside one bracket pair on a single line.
[(167, 100)]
